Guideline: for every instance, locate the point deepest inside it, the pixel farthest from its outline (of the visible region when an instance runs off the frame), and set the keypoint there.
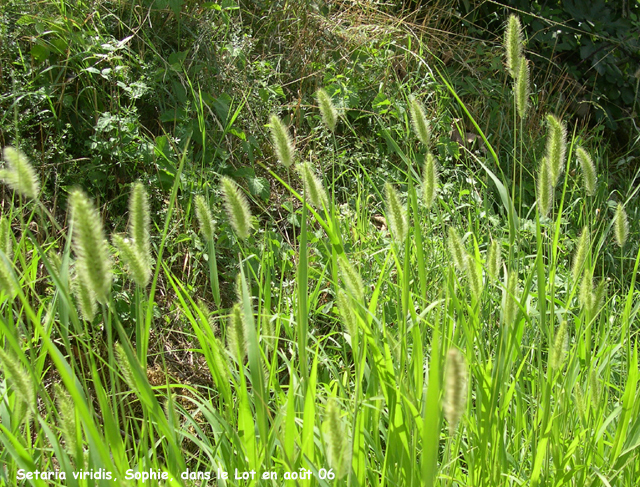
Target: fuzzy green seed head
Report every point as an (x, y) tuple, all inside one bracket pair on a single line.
[(429, 181), (556, 354), (85, 297), (140, 221), (351, 279), (7, 278), (545, 189), (282, 142), (327, 109), (345, 308), (588, 171), (6, 238), (335, 439), (396, 214), (93, 262), (582, 250), (67, 415), (457, 250), (455, 390), (510, 299), (474, 277), (586, 296), (621, 226), (205, 219), (596, 389), (556, 148), (125, 366), (237, 208), (522, 88), (314, 190), (494, 260), (513, 45), (20, 380), (236, 334), (419, 121), (136, 262), (19, 174)]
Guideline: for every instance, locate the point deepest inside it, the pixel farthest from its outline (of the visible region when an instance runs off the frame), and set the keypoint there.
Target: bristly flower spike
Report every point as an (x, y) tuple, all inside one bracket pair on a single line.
[(522, 88), (237, 208), (205, 219), (455, 388), (396, 214), (313, 186), (19, 174), (327, 109), (419, 121), (621, 226), (588, 171), (556, 148), (282, 142), (430, 181), (513, 44)]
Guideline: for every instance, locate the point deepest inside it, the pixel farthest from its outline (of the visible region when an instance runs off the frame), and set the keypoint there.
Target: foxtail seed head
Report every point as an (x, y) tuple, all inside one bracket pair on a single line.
[(457, 250), (513, 44), (545, 189), (20, 380), (510, 299), (474, 276), (93, 263), (556, 355), (455, 392), (494, 260), (621, 226), (522, 88), (140, 221), (345, 308), (351, 279), (588, 171), (86, 298), (125, 366), (136, 262), (430, 181), (556, 148), (581, 253), (6, 240), (205, 219), (419, 121), (237, 208), (327, 109), (236, 334), (67, 415), (338, 452), (282, 142), (313, 186), (586, 296), (19, 174), (396, 214)]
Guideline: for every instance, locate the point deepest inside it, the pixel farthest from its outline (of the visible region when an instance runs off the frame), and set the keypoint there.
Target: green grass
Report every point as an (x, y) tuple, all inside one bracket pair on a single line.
[(341, 324)]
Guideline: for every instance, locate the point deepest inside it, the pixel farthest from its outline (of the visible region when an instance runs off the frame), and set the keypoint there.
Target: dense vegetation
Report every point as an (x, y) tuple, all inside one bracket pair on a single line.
[(329, 243)]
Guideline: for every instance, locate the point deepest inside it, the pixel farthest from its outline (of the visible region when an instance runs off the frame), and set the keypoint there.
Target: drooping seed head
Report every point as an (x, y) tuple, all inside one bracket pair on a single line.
[(140, 221), (545, 189), (556, 148), (621, 226), (137, 264), (396, 214), (522, 88), (351, 279), (205, 219), (588, 171), (237, 208), (430, 181), (314, 190), (419, 121), (336, 442), (580, 256), (93, 262), (457, 250), (494, 260), (327, 109), (455, 391), (282, 141), (513, 44), (19, 174)]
